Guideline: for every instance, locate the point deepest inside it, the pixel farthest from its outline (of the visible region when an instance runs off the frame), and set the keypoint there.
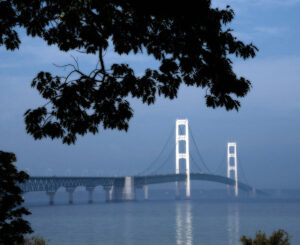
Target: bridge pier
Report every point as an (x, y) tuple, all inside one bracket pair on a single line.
[(146, 194), (129, 189), (90, 191), (177, 197), (121, 191), (117, 194), (70, 191), (51, 195), (108, 193)]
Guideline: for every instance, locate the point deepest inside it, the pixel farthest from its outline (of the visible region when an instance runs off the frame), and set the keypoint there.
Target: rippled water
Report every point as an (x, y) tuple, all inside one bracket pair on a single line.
[(201, 221)]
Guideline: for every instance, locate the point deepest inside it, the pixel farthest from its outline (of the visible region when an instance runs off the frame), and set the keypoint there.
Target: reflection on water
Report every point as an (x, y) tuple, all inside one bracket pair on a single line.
[(184, 227), (233, 224), (191, 222)]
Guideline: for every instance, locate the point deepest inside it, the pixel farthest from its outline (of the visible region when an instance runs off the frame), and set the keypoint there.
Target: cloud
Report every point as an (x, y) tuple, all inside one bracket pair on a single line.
[(113, 57), (275, 81), (274, 2), (40, 50), (34, 54), (267, 3), (260, 32), (243, 36), (270, 30)]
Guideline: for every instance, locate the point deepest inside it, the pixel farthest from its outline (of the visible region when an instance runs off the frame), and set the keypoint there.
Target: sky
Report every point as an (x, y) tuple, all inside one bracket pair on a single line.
[(266, 128)]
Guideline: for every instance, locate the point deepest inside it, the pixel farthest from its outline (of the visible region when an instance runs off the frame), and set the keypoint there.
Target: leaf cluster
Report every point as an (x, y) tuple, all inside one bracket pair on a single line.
[(279, 237), (190, 42), (8, 21), (34, 241), (12, 225)]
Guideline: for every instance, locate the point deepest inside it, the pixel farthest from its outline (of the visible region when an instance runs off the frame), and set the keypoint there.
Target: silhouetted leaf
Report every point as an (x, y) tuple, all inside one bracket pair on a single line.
[(12, 226), (190, 42)]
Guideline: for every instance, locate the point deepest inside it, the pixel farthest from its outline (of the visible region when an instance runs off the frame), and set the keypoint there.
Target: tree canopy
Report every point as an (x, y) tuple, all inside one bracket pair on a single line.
[(279, 237), (12, 225), (191, 42)]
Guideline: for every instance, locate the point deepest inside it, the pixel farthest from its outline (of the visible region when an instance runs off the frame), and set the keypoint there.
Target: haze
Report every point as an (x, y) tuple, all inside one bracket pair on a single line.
[(266, 129)]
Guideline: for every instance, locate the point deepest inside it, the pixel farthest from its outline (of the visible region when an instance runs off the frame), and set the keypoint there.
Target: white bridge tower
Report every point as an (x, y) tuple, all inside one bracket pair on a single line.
[(182, 135), (232, 165)]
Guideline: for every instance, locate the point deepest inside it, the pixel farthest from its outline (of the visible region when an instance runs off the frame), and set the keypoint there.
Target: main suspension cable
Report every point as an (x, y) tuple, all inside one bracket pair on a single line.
[(197, 149), (195, 163), (158, 156), (242, 170), (221, 164), (164, 163)]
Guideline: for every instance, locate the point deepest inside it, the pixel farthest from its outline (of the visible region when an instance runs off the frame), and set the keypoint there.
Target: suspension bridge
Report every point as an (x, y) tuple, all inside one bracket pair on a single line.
[(124, 188)]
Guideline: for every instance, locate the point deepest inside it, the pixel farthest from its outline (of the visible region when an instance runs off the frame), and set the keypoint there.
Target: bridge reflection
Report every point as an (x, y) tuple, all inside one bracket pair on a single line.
[(184, 225), (233, 224), (189, 229)]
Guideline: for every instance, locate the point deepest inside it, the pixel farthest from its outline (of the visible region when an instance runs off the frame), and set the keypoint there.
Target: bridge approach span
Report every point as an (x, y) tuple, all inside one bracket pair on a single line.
[(118, 188), (53, 183)]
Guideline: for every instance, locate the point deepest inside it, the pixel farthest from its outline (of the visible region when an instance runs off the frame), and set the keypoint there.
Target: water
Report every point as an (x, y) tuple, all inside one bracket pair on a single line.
[(160, 221)]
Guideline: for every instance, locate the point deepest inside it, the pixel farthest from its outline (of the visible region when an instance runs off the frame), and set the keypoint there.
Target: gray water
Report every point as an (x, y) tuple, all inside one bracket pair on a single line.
[(160, 220)]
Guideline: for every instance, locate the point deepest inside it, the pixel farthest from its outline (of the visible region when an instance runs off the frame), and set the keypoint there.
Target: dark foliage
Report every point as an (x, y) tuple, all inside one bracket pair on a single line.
[(190, 41), (34, 241), (8, 21), (279, 237), (12, 225)]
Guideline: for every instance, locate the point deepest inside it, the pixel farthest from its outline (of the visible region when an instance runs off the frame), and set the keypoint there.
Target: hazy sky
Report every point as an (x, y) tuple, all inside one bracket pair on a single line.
[(266, 129)]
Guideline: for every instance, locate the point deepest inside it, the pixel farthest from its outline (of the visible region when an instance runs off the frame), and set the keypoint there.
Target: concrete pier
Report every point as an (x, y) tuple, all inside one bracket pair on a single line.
[(121, 191), (90, 191), (129, 189), (51, 195), (108, 193), (70, 191), (146, 194)]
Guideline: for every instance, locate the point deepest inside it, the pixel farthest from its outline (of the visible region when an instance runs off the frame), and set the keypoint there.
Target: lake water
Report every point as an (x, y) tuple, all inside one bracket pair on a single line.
[(160, 220)]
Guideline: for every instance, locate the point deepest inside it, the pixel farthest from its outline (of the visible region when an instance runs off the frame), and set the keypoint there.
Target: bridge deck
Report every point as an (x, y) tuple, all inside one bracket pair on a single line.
[(48, 184)]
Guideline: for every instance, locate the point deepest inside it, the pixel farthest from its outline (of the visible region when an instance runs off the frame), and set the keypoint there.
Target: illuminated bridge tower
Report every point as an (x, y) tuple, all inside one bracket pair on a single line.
[(182, 136), (232, 165)]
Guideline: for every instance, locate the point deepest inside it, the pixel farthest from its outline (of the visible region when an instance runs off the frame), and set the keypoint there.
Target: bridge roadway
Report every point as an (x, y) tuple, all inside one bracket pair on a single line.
[(117, 188)]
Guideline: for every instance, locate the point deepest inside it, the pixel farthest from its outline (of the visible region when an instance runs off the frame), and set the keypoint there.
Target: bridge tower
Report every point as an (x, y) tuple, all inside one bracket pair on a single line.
[(182, 134), (232, 165)]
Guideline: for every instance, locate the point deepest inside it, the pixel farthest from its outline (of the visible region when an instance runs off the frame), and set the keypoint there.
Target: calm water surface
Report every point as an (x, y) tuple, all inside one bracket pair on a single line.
[(162, 221)]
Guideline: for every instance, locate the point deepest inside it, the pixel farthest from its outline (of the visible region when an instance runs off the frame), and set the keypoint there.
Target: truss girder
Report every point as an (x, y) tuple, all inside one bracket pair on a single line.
[(50, 184)]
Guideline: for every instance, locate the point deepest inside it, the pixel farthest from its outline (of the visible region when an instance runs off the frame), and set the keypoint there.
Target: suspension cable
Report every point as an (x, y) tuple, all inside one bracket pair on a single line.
[(158, 156), (195, 163), (220, 164), (197, 149), (164, 163), (242, 170)]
